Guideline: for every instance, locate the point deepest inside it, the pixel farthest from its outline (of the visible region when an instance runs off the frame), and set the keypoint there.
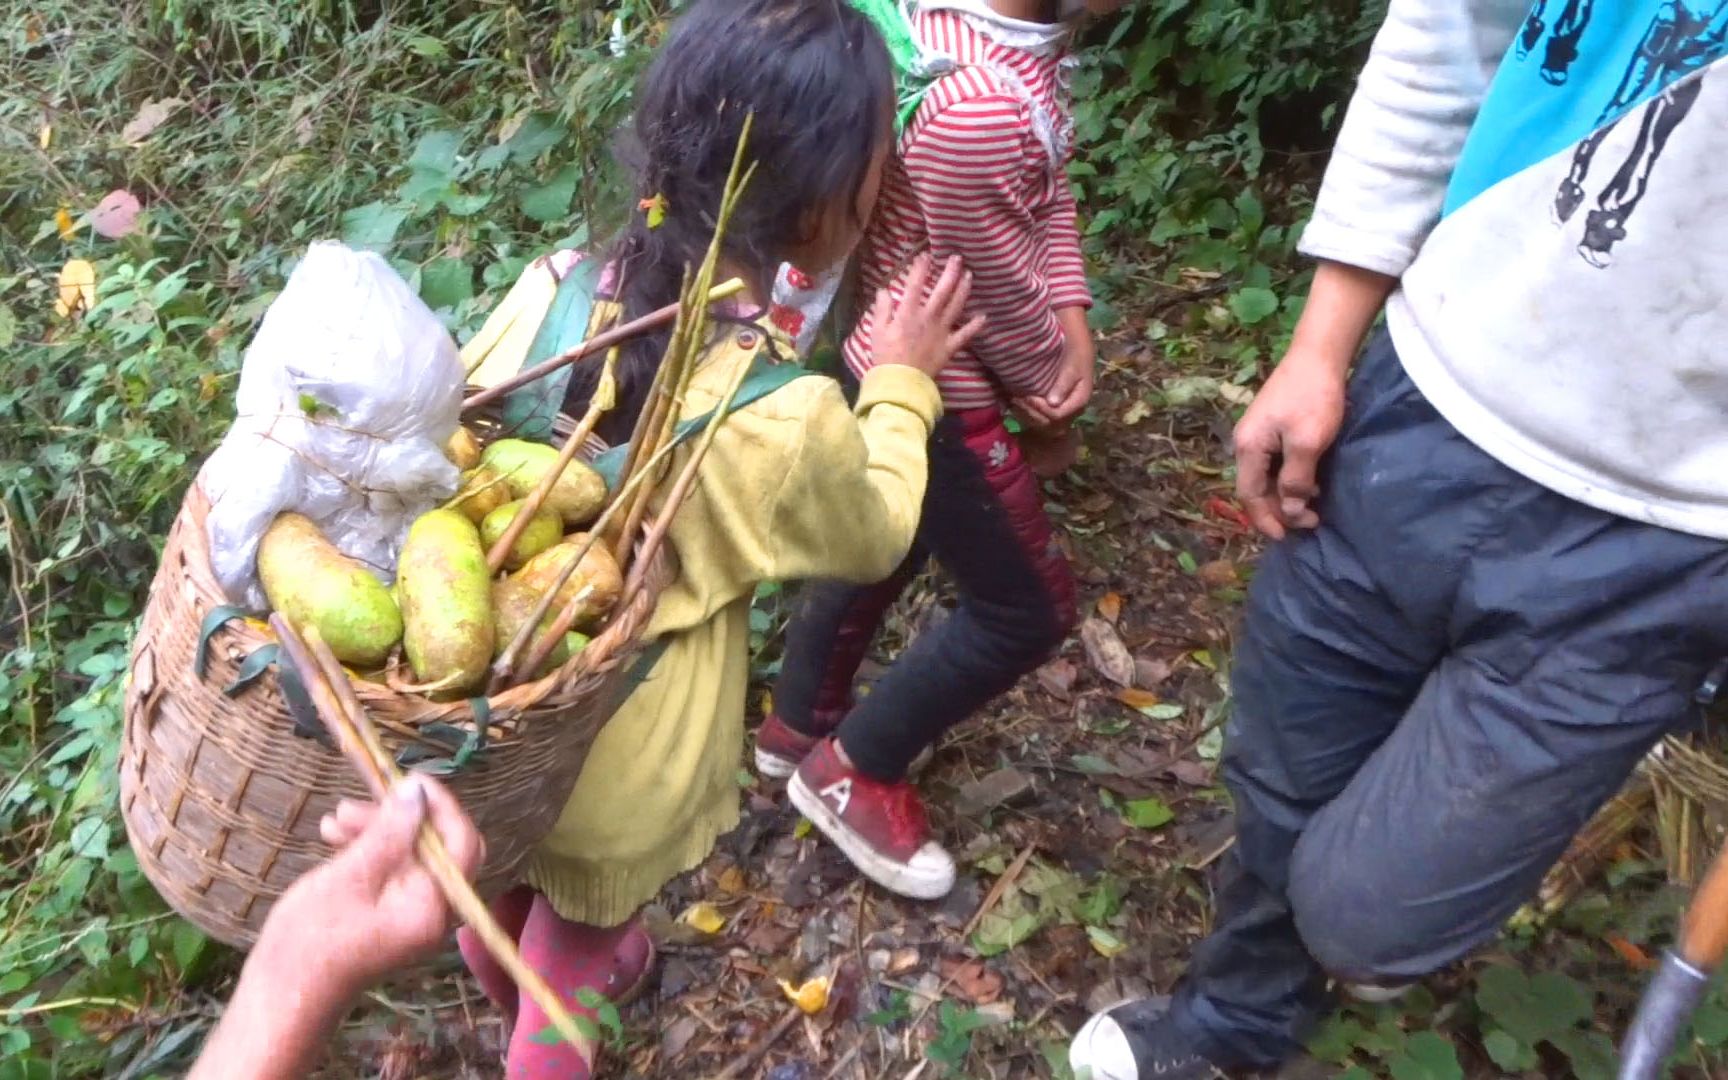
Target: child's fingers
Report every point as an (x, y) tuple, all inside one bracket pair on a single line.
[(917, 281), (946, 283), (883, 308), (955, 308), (960, 338)]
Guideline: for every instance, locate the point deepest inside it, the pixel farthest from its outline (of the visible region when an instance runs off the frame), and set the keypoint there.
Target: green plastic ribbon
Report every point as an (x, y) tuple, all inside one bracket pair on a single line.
[(256, 664), (216, 620)]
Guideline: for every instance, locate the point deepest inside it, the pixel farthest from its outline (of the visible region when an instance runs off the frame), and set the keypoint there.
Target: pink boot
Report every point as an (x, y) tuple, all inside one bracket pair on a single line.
[(614, 962), (511, 911)]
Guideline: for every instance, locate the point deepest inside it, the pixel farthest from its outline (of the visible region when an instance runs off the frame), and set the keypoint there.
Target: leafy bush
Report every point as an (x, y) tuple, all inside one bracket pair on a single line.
[(462, 137)]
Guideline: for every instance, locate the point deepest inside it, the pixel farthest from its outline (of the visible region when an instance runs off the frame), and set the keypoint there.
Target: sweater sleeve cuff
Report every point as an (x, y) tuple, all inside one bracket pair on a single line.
[(907, 387), (1335, 241)]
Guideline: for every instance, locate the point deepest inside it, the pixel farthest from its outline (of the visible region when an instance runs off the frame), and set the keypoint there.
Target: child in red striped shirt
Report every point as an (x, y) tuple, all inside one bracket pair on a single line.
[(980, 173)]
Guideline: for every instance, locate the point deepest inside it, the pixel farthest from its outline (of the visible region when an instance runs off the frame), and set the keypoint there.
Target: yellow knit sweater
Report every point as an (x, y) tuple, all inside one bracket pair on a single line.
[(796, 485)]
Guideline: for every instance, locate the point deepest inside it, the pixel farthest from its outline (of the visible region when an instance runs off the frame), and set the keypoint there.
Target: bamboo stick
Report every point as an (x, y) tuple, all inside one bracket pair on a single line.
[(605, 340), (503, 668), (682, 351), (340, 709), (603, 400)]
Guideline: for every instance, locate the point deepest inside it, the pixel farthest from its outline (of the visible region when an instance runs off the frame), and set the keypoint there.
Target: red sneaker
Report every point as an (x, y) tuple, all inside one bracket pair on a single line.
[(881, 827), (780, 749)]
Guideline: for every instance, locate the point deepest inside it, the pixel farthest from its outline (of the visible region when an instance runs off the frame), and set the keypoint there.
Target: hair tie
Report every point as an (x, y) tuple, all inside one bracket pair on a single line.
[(655, 207)]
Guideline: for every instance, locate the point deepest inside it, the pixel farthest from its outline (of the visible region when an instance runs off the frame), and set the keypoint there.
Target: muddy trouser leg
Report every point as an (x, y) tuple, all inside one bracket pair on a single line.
[(830, 632), (1434, 691), (984, 523)]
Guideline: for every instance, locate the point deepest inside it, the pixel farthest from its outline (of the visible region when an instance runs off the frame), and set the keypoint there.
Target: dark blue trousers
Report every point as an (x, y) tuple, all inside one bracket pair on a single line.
[(1433, 692)]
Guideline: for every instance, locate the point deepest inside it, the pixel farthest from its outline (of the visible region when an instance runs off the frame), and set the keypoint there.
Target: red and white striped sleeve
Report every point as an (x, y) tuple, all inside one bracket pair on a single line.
[(1067, 271), (968, 167)]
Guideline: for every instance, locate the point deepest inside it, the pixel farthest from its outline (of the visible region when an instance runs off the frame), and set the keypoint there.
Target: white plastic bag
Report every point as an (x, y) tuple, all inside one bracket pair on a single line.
[(347, 396)]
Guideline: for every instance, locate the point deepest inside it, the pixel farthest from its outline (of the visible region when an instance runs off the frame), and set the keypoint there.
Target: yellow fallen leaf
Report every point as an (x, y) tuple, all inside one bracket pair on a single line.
[(46, 136), (63, 222), (802, 829), (811, 997), (732, 881), (704, 918), (77, 288), (1104, 942), (1136, 699)]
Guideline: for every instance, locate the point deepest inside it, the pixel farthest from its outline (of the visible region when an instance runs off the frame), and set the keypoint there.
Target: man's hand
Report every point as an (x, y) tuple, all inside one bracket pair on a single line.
[(1296, 416), (376, 909), (1072, 391), (1290, 424), (367, 912)]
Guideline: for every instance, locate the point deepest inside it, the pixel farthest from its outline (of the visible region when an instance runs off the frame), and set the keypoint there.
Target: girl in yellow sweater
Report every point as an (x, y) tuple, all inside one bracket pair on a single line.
[(796, 485)]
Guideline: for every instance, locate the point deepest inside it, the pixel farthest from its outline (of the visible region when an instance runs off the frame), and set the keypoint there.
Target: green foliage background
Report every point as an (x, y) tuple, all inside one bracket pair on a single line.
[(462, 138)]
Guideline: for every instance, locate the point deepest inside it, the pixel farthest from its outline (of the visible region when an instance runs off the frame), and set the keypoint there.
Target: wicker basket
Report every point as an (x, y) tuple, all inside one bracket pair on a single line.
[(222, 799)]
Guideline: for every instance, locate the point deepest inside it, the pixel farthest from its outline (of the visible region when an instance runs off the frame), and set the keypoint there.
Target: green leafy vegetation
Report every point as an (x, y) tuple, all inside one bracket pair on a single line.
[(462, 138)]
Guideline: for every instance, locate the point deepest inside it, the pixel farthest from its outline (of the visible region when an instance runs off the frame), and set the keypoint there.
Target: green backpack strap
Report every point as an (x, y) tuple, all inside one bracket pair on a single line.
[(762, 378), (911, 80), (530, 410)]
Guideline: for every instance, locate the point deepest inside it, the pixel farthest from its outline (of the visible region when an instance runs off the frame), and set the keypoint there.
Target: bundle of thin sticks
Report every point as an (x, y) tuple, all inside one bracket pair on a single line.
[(625, 519), (340, 709)]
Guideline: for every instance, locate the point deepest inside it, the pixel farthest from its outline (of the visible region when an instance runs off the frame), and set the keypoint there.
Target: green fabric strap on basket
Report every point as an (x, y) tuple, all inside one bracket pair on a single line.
[(896, 29), (530, 410), (255, 665), (763, 378), (216, 620)]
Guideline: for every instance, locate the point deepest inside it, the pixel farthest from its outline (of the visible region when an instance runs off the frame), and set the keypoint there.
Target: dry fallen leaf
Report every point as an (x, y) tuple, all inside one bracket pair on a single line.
[(972, 980), (151, 115), (116, 215), (704, 918), (1058, 677), (1136, 699), (1192, 773), (1150, 674), (1634, 956), (1136, 413), (902, 961), (732, 881), (77, 288), (1217, 573), (1110, 607), (45, 136), (64, 224), (1104, 648), (811, 997)]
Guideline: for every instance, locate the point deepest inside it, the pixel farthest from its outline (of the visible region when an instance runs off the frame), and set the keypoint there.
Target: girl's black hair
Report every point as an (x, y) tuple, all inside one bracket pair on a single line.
[(818, 81)]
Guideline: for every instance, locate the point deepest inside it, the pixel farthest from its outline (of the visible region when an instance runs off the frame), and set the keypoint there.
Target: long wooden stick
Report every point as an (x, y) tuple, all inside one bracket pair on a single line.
[(341, 711), (603, 400), (605, 340)]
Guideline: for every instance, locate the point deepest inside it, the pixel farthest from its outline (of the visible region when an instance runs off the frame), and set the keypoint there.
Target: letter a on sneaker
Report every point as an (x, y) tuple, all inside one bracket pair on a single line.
[(880, 826)]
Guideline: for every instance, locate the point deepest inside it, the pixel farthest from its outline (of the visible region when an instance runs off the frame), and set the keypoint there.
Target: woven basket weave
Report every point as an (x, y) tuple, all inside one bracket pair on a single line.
[(222, 799)]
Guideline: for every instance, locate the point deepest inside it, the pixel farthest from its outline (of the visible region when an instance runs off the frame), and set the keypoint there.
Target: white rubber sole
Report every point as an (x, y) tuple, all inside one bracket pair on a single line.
[(931, 881), (774, 767), (1100, 1051)]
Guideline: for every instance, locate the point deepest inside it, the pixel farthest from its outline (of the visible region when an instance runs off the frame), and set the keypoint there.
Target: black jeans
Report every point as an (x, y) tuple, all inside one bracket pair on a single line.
[(984, 523), (1434, 691)]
